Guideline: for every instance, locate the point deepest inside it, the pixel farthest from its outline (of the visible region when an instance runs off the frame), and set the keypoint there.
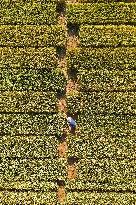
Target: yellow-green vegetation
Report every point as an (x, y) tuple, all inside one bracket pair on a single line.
[(31, 83), (25, 101), (32, 36), (101, 13), (28, 198), (107, 35), (30, 13), (101, 198)]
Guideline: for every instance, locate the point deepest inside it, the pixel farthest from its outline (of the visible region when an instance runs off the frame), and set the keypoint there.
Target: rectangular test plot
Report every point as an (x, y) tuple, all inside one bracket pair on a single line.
[(28, 101), (31, 174), (102, 13), (31, 124), (29, 146), (100, 198), (32, 35), (103, 102), (28, 198), (112, 35), (104, 69), (104, 174), (28, 13)]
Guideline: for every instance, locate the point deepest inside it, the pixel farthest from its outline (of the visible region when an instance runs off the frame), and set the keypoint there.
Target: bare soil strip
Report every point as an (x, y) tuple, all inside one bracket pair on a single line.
[(62, 20), (62, 149), (73, 42), (71, 88), (61, 194), (72, 172), (62, 106)]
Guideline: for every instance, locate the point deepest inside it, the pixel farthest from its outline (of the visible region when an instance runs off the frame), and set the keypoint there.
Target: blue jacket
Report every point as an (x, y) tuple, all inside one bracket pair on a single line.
[(72, 122)]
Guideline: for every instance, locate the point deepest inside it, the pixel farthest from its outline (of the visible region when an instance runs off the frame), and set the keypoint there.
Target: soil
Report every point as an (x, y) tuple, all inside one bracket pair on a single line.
[(61, 194), (62, 149), (71, 86), (72, 1), (73, 42), (62, 20), (72, 172), (62, 63), (62, 106)]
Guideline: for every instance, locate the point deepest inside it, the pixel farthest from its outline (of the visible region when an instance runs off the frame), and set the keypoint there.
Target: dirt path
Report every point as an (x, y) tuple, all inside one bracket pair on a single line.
[(71, 88)]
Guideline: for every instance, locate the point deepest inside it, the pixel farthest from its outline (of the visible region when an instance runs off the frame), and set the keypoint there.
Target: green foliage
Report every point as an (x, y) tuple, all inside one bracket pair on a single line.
[(106, 80), (23, 13), (103, 1), (105, 124), (31, 173), (96, 198), (7, 3), (40, 124), (108, 174), (28, 58), (107, 35), (31, 36), (24, 101), (31, 79), (105, 69), (28, 146), (100, 145), (102, 58), (28, 198), (101, 13), (103, 103)]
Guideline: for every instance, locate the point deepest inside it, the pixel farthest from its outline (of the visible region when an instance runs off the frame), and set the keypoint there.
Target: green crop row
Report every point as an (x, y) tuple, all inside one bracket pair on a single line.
[(27, 198), (104, 69), (31, 36), (31, 174), (106, 124), (41, 124), (28, 13), (23, 146), (102, 58), (103, 102), (8, 3), (98, 146), (107, 35), (28, 57), (101, 13), (105, 174), (104, 1), (105, 80), (28, 101), (31, 79), (95, 198)]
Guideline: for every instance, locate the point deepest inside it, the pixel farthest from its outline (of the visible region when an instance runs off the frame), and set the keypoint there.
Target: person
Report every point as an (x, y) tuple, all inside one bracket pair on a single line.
[(72, 122)]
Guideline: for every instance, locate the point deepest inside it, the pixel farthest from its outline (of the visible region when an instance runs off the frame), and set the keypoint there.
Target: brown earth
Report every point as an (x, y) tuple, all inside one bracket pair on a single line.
[(71, 86), (62, 106), (72, 172), (62, 64), (72, 42), (62, 149), (62, 20), (61, 194), (71, 1)]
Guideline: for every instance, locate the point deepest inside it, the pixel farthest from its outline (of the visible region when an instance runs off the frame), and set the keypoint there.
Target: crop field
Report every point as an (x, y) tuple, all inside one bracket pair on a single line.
[(43, 80)]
